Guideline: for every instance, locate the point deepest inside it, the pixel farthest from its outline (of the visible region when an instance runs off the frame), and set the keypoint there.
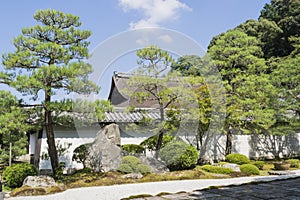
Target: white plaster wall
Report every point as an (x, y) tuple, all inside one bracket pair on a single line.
[(32, 143), (214, 149)]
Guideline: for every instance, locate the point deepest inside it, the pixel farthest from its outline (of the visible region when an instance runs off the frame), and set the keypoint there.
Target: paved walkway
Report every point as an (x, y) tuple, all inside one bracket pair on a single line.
[(277, 190), (193, 189)]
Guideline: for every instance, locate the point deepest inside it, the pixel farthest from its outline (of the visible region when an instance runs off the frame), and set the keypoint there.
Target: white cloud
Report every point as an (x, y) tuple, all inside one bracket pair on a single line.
[(166, 38), (155, 12)]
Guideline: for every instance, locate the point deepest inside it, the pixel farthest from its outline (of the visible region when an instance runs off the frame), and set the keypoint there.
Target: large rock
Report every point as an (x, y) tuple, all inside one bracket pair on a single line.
[(157, 167), (233, 166), (39, 181), (104, 153), (133, 176)]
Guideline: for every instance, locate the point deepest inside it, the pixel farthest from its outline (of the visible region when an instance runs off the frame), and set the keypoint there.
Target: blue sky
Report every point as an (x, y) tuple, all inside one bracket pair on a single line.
[(198, 19)]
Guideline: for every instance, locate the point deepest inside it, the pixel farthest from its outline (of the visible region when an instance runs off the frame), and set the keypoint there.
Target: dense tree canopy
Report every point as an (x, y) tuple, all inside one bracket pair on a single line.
[(49, 59), (248, 87), (152, 82), (13, 127)]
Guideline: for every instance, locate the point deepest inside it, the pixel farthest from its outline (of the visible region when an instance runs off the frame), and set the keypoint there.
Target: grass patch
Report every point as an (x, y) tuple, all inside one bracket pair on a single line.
[(137, 196), (163, 193), (28, 191)]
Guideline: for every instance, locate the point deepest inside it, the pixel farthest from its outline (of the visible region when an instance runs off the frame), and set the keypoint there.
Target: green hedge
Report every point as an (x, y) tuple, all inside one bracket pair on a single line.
[(249, 169), (132, 164), (217, 169), (294, 162), (259, 164), (14, 175), (237, 159), (179, 155), (125, 168)]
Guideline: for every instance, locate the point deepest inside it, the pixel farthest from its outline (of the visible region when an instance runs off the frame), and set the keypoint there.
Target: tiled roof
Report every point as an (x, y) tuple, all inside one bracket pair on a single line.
[(130, 117)]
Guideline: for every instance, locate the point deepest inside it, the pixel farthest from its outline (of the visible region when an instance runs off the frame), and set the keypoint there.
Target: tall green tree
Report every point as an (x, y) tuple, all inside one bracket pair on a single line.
[(49, 58), (249, 92), (267, 32), (165, 90), (285, 77), (13, 127), (191, 66), (286, 14)]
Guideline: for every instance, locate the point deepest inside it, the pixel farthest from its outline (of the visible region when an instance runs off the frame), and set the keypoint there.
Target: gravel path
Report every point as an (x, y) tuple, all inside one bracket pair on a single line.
[(117, 192)]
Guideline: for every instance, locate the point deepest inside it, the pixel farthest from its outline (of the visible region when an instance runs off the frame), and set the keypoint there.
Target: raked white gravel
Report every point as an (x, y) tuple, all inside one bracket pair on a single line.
[(116, 192)]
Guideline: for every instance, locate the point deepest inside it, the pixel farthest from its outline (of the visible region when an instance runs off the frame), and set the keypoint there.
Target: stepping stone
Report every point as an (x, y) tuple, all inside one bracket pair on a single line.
[(281, 172)]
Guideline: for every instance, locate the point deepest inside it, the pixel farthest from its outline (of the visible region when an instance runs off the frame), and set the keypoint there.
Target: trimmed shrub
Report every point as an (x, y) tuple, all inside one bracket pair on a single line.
[(217, 169), (132, 161), (131, 164), (237, 158), (143, 169), (179, 155), (132, 149), (80, 154), (294, 162), (249, 169), (150, 143), (14, 175), (125, 168), (258, 164)]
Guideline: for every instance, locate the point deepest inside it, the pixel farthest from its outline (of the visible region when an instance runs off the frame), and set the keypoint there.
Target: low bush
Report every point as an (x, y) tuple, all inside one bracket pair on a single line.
[(237, 158), (259, 164), (132, 161), (125, 168), (249, 169), (143, 169), (294, 162), (150, 143), (131, 164), (80, 154), (14, 175), (179, 155), (217, 169), (132, 149)]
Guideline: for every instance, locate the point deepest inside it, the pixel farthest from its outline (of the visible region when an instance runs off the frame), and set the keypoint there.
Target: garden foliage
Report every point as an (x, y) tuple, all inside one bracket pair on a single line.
[(132, 164), (179, 155), (249, 169), (237, 159), (14, 175)]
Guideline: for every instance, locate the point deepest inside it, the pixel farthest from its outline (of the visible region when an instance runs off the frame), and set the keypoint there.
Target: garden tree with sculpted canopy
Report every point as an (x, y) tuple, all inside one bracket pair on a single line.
[(267, 32), (286, 14), (13, 127), (50, 58), (193, 67), (167, 90), (249, 91), (285, 77)]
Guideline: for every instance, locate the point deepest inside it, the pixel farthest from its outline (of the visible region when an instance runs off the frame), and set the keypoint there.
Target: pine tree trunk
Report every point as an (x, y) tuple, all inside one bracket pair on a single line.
[(50, 135), (228, 142), (161, 132)]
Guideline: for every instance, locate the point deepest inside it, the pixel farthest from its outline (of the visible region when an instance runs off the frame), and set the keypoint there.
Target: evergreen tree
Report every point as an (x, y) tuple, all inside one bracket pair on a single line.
[(13, 127), (249, 92), (49, 58), (166, 91)]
